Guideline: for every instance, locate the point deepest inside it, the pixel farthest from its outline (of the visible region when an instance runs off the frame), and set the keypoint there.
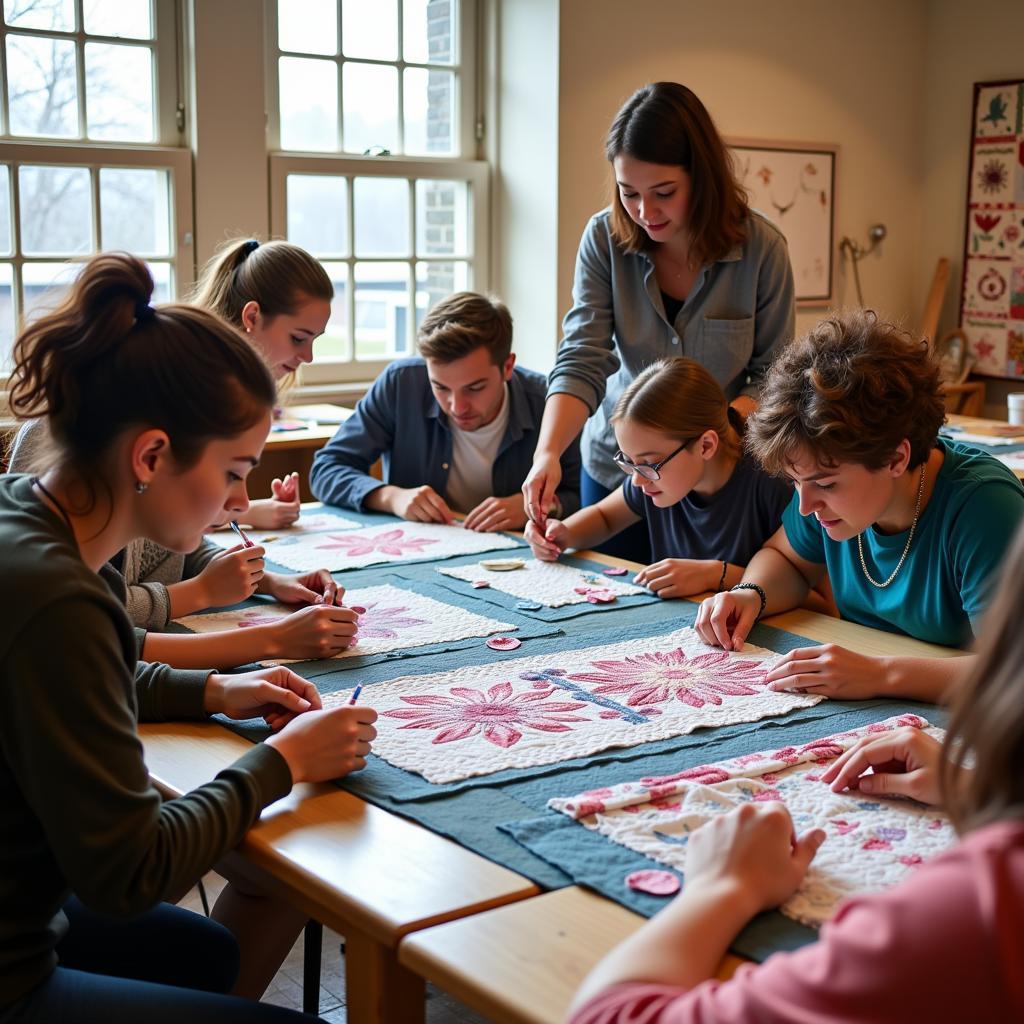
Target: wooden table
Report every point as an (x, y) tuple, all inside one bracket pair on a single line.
[(522, 964), (977, 424), (366, 873)]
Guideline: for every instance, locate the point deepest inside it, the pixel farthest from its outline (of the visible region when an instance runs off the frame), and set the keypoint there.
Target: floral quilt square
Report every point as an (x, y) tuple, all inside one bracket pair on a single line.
[(392, 619), (370, 545), (549, 583), (872, 843), (540, 710), (307, 523)]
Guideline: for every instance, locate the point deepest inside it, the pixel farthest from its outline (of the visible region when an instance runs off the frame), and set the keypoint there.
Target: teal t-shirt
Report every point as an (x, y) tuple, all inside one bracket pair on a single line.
[(958, 548)]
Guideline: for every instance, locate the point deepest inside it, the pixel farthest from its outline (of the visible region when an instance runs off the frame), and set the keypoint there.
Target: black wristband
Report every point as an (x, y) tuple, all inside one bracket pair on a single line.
[(758, 590), (725, 569)]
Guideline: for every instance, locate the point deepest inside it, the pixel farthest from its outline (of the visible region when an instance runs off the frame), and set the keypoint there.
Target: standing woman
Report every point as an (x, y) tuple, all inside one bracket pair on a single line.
[(677, 265)]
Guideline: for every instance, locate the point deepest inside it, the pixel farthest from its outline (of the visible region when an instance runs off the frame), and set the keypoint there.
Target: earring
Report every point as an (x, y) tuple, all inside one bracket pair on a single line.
[(140, 487)]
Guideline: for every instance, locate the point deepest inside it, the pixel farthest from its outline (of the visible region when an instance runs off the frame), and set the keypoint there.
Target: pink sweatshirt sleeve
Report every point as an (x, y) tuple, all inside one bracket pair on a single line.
[(946, 945)]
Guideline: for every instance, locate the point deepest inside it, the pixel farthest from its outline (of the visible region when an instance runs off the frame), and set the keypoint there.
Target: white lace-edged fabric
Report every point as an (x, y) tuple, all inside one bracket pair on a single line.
[(872, 842)]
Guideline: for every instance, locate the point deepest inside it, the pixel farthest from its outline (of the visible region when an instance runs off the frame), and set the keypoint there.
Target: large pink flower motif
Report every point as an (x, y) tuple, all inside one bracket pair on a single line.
[(381, 623), (661, 675), (393, 542), (500, 714)]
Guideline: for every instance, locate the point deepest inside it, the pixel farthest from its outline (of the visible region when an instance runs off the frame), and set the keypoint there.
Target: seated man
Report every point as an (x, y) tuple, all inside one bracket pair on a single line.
[(456, 430)]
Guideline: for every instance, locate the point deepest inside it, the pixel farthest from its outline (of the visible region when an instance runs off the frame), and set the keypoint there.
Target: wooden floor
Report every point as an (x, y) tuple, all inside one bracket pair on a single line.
[(286, 988)]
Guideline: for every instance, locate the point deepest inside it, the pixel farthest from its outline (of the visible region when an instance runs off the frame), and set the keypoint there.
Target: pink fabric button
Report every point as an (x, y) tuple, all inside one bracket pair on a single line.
[(616, 570), (656, 883), (601, 596), (504, 643), (479, 584)]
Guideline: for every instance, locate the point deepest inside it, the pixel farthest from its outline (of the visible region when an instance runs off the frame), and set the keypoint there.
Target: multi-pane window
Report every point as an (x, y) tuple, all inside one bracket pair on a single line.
[(81, 170), (374, 115)]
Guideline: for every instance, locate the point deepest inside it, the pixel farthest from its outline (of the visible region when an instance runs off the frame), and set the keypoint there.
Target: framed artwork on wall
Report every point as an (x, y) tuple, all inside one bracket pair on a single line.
[(793, 185), (992, 287)]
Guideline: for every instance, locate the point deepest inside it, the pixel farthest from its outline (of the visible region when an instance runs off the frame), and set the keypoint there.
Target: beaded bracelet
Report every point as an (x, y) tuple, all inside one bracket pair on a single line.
[(721, 580), (760, 593)]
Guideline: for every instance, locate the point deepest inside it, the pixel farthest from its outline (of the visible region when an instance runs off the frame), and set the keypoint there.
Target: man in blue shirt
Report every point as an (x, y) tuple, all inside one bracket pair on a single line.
[(455, 430)]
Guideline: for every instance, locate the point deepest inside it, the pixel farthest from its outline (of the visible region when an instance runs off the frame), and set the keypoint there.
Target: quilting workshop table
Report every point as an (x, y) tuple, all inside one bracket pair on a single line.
[(1010, 453), (521, 964), (367, 873)]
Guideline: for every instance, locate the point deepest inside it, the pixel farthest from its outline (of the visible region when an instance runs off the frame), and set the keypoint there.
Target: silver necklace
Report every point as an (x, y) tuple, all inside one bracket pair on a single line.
[(906, 549)]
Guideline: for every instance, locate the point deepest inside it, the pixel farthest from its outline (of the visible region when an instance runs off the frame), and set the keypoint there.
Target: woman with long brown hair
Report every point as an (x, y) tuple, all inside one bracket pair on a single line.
[(676, 265)]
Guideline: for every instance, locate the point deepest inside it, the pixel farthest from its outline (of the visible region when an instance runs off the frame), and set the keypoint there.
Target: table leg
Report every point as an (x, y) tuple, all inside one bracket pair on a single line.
[(378, 989)]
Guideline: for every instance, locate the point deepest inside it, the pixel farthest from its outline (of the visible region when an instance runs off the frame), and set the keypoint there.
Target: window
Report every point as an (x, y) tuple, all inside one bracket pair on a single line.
[(374, 128), (89, 93)]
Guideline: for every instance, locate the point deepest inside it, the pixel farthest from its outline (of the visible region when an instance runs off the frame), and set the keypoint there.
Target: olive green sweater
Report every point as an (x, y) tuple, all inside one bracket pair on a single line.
[(77, 810)]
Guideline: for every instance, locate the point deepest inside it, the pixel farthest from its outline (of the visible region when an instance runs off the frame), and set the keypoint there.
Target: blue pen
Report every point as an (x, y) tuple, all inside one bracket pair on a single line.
[(355, 695)]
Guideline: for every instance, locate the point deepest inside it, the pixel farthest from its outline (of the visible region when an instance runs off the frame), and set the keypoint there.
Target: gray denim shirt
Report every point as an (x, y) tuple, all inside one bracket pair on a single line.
[(737, 315)]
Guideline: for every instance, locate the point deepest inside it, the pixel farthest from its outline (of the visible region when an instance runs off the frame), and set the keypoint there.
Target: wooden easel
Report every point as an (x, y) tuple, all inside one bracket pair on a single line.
[(966, 398)]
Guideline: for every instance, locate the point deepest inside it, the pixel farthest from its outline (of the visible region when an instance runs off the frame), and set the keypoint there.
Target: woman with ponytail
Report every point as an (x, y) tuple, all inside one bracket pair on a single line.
[(154, 418)]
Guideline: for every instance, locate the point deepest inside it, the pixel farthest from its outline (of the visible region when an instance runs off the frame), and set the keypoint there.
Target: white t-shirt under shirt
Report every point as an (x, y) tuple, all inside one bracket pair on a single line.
[(470, 479)]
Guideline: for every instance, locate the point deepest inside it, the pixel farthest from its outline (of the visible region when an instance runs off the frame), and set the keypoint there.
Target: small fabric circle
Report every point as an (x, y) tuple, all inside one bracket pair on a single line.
[(504, 643), (616, 570), (479, 584), (653, 882)]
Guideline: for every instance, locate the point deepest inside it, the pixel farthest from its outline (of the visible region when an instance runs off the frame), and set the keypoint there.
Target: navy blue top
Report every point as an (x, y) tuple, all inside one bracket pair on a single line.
[(731, 524), (400, 422)]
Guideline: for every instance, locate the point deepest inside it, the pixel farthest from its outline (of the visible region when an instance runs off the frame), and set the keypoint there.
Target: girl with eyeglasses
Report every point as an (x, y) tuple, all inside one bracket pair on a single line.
[(706, 506)]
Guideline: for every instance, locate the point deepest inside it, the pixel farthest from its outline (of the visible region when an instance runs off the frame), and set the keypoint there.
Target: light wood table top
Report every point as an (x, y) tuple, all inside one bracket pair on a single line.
[(997, 428), (522, 964), (367, 873)]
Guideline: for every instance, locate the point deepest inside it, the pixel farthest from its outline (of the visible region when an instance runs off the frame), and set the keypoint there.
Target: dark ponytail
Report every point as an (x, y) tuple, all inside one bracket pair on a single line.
[(105, 360)]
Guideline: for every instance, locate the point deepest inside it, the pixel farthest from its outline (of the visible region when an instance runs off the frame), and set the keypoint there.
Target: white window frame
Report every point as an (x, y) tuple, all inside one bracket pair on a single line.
[(462, 167), (95, 155), (474, 172)]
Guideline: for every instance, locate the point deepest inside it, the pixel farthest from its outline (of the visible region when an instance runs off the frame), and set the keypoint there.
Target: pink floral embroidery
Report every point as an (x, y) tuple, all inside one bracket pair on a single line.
[(842, 826), (500, 714), (877, 844), (822, 750), (787, 755), (661, 675), (702, 774), (767, 794), (393, 542), (382, 622), (911, 860)]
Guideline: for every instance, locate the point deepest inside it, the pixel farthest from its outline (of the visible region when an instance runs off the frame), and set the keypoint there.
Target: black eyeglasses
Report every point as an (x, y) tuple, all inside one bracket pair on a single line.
[(646, 469)]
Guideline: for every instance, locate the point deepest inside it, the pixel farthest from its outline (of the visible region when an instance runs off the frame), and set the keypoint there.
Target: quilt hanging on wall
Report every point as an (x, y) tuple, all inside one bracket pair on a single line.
[(992, 290)]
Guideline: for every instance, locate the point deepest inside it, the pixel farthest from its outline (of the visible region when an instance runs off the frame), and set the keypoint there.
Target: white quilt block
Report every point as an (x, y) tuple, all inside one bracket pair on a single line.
[(370, 545), (549, 583), (548, 708), (872, 844), (393, 619), (312, 522)]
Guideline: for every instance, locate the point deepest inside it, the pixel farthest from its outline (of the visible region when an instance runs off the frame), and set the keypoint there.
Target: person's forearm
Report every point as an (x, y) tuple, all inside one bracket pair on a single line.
[(587, 528), (564, 417), (209, 650), (187, 597), (682, 945), (380, 499), (928, 679), (783, 584)]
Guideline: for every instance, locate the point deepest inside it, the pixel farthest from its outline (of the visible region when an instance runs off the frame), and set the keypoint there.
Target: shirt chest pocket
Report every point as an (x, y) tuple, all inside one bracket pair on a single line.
[(726, 347)]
